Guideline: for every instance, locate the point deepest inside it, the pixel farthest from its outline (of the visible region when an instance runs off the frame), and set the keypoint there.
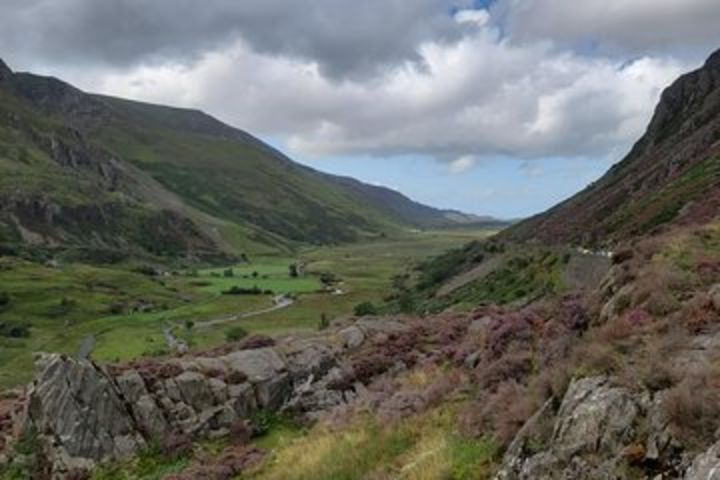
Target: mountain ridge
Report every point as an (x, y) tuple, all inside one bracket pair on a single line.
[(669, 176), (225, 191)]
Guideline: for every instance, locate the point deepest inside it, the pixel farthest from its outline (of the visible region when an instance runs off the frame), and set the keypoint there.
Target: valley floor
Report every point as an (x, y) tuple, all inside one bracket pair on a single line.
[(118, 313)]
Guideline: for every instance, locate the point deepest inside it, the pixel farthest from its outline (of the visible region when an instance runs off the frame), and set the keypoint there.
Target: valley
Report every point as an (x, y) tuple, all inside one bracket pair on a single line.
[(180, 300), (124, 308)]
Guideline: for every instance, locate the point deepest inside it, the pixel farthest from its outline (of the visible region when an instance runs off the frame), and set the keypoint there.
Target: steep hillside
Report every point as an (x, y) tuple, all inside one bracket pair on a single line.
[(672, 174), (114, 175)]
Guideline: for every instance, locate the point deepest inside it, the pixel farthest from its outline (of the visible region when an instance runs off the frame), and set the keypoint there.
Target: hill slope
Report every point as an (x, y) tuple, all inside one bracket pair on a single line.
[(672, 174), (103, 173)]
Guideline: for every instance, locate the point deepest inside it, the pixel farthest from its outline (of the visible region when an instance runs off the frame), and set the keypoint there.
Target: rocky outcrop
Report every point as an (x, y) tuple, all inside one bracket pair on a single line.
[(84, 414), (604, 431)]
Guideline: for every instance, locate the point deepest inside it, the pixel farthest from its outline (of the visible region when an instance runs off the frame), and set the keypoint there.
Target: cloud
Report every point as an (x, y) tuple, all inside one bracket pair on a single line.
[(481, 96), (615, 27), (478, 17), (462, 164), (346, 39), (526, 79)]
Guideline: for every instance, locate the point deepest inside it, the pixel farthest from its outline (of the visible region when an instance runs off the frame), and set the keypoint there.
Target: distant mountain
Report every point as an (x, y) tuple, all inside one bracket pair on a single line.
[(671, 176), (92, 172), (408, 211)]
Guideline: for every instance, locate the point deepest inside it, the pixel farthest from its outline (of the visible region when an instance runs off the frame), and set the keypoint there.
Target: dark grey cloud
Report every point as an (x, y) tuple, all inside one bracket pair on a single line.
[(347, 39)]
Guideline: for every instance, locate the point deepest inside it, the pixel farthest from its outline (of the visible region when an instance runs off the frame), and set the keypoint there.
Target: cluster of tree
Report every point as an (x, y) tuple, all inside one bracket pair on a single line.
[(328, 279), (255, 290), (14, 330)]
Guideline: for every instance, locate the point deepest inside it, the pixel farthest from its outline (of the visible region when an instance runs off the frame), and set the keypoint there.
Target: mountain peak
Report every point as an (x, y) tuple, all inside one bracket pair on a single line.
[(713, 60), (5, 71)]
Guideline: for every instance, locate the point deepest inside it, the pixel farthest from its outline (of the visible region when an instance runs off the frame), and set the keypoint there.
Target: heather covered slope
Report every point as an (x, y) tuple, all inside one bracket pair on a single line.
[(672, 175), (101, 173)]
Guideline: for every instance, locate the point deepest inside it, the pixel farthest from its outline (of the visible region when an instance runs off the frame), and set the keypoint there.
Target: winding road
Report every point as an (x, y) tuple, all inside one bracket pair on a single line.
[(279, 302), (176, 344)]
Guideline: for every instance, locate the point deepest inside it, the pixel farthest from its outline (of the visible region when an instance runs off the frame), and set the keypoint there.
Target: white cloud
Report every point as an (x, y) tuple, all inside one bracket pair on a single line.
[(476, 17), (479, 97), (462, 164)]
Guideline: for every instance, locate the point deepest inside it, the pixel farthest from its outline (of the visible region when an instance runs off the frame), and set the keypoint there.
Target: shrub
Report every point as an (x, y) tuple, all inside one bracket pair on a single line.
[(4, 299), (365, 309), (693, 408), (255, 341), (324, 321), (235, 334), (229, 273), (175, 445)]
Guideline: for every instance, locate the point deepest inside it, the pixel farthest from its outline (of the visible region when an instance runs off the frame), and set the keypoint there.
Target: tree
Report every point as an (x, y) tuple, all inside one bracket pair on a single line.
[(294, 273), (4, 299), (229, 273), (189, 324), (365, 309)]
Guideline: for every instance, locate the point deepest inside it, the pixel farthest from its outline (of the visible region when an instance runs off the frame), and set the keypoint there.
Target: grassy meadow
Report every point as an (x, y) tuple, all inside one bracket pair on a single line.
[(122, 311)]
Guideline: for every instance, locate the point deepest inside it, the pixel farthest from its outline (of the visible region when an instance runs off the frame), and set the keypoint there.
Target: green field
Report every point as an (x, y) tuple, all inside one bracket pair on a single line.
[(125, 311)]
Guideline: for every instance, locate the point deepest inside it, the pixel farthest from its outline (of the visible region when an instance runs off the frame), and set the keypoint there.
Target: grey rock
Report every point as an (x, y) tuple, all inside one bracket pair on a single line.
[(472, 360), (259, 365), (594, 423), (77, 409), (309, 357), (706, 466), (352, 337), (595, 417), (273, 392), (480, 325), (195, 390)]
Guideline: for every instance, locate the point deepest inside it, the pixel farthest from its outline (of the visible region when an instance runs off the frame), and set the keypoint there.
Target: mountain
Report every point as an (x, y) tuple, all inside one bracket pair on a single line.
[(671, 175), (407, 210), (102, 174)]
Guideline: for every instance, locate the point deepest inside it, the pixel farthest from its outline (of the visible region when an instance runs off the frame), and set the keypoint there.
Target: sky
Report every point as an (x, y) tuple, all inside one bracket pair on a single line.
[(500, 107)]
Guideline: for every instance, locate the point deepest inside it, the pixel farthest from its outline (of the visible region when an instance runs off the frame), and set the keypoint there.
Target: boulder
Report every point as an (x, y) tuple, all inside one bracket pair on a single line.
[(259, 365), (593, 425), (706, 466), (595, 417), (352, 337), (195, 390), (79, 414)]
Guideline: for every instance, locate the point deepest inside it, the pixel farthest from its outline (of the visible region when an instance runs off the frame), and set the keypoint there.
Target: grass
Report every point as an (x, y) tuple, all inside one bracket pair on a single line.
[(266, 273), (425, 447), (37, 291)]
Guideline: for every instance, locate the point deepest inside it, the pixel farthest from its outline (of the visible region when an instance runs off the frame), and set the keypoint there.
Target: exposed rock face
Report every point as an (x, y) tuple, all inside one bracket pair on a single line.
[(84, 414), (595, 423), (80, 408)]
